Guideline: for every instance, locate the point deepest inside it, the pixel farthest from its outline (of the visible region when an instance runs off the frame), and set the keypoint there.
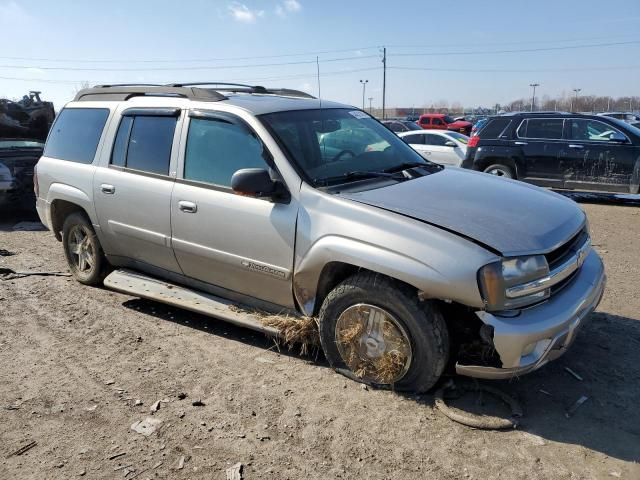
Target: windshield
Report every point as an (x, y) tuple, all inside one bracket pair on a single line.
[(448, 119), (21, 144), (332, 143), (458, 136), (626, 126), (412, 125)]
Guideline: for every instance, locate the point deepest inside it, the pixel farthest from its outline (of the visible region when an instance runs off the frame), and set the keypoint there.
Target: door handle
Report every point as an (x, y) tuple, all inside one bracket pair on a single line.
[(108, 189), (187, 207), (573, 145), (520, 143)]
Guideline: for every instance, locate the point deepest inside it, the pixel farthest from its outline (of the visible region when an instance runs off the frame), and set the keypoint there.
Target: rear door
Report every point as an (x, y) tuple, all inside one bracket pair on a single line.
[(596, 162), (231, 241), (439, 151), (133, 192), (541, 142), (416, 141)]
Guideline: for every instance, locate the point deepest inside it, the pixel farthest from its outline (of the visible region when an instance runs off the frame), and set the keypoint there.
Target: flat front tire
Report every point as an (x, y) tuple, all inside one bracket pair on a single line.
[(378, 330), (82, 250)]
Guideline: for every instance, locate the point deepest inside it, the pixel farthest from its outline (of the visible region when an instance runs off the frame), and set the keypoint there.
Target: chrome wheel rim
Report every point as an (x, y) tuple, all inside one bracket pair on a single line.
[(498, 172), (81, 249), (373, 344)]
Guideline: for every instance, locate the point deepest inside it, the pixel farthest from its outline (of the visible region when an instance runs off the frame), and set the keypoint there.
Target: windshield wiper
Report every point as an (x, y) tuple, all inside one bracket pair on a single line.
[(359, 174), (405, 166)]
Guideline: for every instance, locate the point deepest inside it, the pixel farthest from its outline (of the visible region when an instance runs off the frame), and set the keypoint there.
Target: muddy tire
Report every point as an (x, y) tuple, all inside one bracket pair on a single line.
[(82, 248), (500, 170), (378, 331)]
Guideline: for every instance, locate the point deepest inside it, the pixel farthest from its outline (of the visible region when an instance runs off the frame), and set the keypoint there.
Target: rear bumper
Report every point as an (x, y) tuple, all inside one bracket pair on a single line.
[(44, 212), (550, 327)]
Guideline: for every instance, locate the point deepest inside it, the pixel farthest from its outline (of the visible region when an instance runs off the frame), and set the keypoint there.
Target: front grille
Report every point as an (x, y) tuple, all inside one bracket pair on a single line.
[(560, 254)]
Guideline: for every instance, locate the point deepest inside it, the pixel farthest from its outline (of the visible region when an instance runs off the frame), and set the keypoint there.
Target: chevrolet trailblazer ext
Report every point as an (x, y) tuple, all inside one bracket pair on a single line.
[(216, 195)]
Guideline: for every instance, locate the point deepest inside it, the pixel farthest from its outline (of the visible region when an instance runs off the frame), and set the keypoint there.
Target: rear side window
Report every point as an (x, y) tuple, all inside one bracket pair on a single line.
[(76, 133), (144, 143), (415, 139), (494, 128), (437, 121), (217, 149), (545, 128), (436, 140)]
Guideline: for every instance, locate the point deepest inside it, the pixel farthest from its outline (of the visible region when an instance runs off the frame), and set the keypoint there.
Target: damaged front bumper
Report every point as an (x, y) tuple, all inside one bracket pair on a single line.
[(530, 338)]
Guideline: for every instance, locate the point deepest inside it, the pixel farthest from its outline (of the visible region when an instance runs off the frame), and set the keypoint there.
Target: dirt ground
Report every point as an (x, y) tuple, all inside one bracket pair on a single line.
[(75, 363)]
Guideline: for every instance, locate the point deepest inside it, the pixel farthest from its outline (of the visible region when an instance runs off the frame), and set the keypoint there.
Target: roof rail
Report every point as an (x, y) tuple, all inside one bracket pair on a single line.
[(244, 88), (127, 91)]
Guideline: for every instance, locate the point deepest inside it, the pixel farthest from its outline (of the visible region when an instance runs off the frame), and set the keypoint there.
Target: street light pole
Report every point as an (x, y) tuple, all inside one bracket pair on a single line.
[(577, 90), (533, 97), (370, 106), (364, 87)]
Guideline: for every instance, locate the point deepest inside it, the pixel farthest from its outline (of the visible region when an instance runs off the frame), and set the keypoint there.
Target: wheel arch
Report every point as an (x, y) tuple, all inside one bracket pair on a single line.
[(65, 200), (333, 259)]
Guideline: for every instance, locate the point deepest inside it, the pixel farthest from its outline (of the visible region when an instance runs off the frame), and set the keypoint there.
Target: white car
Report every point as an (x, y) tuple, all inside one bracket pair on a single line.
[(439, 146)]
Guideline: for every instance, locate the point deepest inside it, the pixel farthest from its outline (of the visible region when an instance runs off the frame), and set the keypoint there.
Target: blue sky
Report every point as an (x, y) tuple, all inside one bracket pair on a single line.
[(58, 45)]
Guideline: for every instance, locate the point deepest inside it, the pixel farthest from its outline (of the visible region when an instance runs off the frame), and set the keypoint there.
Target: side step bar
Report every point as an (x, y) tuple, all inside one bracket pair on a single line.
[(140, 285)]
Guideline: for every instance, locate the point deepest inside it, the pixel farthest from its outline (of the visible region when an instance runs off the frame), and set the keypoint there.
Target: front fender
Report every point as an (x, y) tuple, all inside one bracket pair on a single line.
[(334, 248)]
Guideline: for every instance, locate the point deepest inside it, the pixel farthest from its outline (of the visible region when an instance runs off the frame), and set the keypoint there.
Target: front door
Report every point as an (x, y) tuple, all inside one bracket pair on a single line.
[(541, 143), (597, 162), (440, 152), (238, 243), (133, 192)]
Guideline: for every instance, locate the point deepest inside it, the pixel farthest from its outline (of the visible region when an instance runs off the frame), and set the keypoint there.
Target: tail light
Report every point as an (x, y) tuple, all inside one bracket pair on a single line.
[(473, 141), (36, 187)]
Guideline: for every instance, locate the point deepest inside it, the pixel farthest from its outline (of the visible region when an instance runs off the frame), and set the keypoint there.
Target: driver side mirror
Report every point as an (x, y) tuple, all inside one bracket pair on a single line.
[(617, 137), (450, 143), (257, 183)]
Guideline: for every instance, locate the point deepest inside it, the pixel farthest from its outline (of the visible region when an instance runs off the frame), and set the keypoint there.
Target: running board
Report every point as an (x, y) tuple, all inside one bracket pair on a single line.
[(140, 285)]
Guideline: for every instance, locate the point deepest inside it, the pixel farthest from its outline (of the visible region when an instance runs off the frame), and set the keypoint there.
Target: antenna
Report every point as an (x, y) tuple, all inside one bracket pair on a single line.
[(318, 74)]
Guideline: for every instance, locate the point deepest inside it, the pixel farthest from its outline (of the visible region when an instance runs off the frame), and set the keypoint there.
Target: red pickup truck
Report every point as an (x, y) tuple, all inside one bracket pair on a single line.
[(440, 121)]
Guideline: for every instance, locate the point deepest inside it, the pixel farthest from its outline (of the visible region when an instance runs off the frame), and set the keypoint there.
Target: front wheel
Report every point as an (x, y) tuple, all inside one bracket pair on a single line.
[(82, 249), (379, 331)]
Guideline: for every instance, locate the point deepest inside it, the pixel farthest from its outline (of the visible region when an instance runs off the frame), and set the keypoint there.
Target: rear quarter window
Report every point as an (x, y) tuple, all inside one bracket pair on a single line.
[(75, 134), (495, 128)]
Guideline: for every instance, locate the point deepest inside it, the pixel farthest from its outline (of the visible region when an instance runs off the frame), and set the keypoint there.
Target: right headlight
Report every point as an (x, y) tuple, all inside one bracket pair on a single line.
[(511, 282)]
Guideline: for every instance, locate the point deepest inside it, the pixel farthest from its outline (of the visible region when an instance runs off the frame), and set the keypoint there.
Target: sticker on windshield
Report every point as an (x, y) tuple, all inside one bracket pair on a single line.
[(358, 114)]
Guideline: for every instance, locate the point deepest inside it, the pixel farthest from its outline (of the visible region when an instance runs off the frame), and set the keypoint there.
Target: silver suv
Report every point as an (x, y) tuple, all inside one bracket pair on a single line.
[(214, 197)]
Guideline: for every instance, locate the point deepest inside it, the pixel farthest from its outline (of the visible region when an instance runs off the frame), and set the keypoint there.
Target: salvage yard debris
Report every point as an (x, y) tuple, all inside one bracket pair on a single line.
[(578, 377), (9, 274), (147, 426), (23, 449), (479, 421), (575, 406), (235, 472)]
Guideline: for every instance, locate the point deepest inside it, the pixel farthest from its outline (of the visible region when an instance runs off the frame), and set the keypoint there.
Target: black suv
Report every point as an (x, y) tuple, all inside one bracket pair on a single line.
[(559, 150)]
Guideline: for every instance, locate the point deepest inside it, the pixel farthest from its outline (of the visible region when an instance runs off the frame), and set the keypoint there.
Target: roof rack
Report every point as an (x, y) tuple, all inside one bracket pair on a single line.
[(244, 88), (127, 91)]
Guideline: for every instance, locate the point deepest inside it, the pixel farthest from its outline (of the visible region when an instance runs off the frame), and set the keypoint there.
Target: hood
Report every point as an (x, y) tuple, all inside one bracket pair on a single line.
[(459, 124), (508, 216)]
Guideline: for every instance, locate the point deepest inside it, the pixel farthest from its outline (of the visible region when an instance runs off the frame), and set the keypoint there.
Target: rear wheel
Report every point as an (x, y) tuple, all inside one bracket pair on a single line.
[(500, 170), (82, 249), (379, 331)]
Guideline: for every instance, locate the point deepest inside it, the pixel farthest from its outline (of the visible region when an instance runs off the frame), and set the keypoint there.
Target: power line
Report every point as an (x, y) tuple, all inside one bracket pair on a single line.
[(191, 60), (199, 67), (496, 70), (522, 50), (253, 79)]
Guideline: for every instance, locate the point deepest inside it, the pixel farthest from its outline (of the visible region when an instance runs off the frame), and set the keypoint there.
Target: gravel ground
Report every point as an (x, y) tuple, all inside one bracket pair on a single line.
[(80, 365)]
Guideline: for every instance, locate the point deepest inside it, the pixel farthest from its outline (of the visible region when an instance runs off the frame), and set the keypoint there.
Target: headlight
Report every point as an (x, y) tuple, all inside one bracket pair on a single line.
[(501, 283)]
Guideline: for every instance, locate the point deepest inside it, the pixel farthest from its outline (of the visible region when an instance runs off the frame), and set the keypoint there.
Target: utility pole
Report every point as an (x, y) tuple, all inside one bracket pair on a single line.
[(577, 91), (533, 97), (384, 81), (370, 107), (364, 87)]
